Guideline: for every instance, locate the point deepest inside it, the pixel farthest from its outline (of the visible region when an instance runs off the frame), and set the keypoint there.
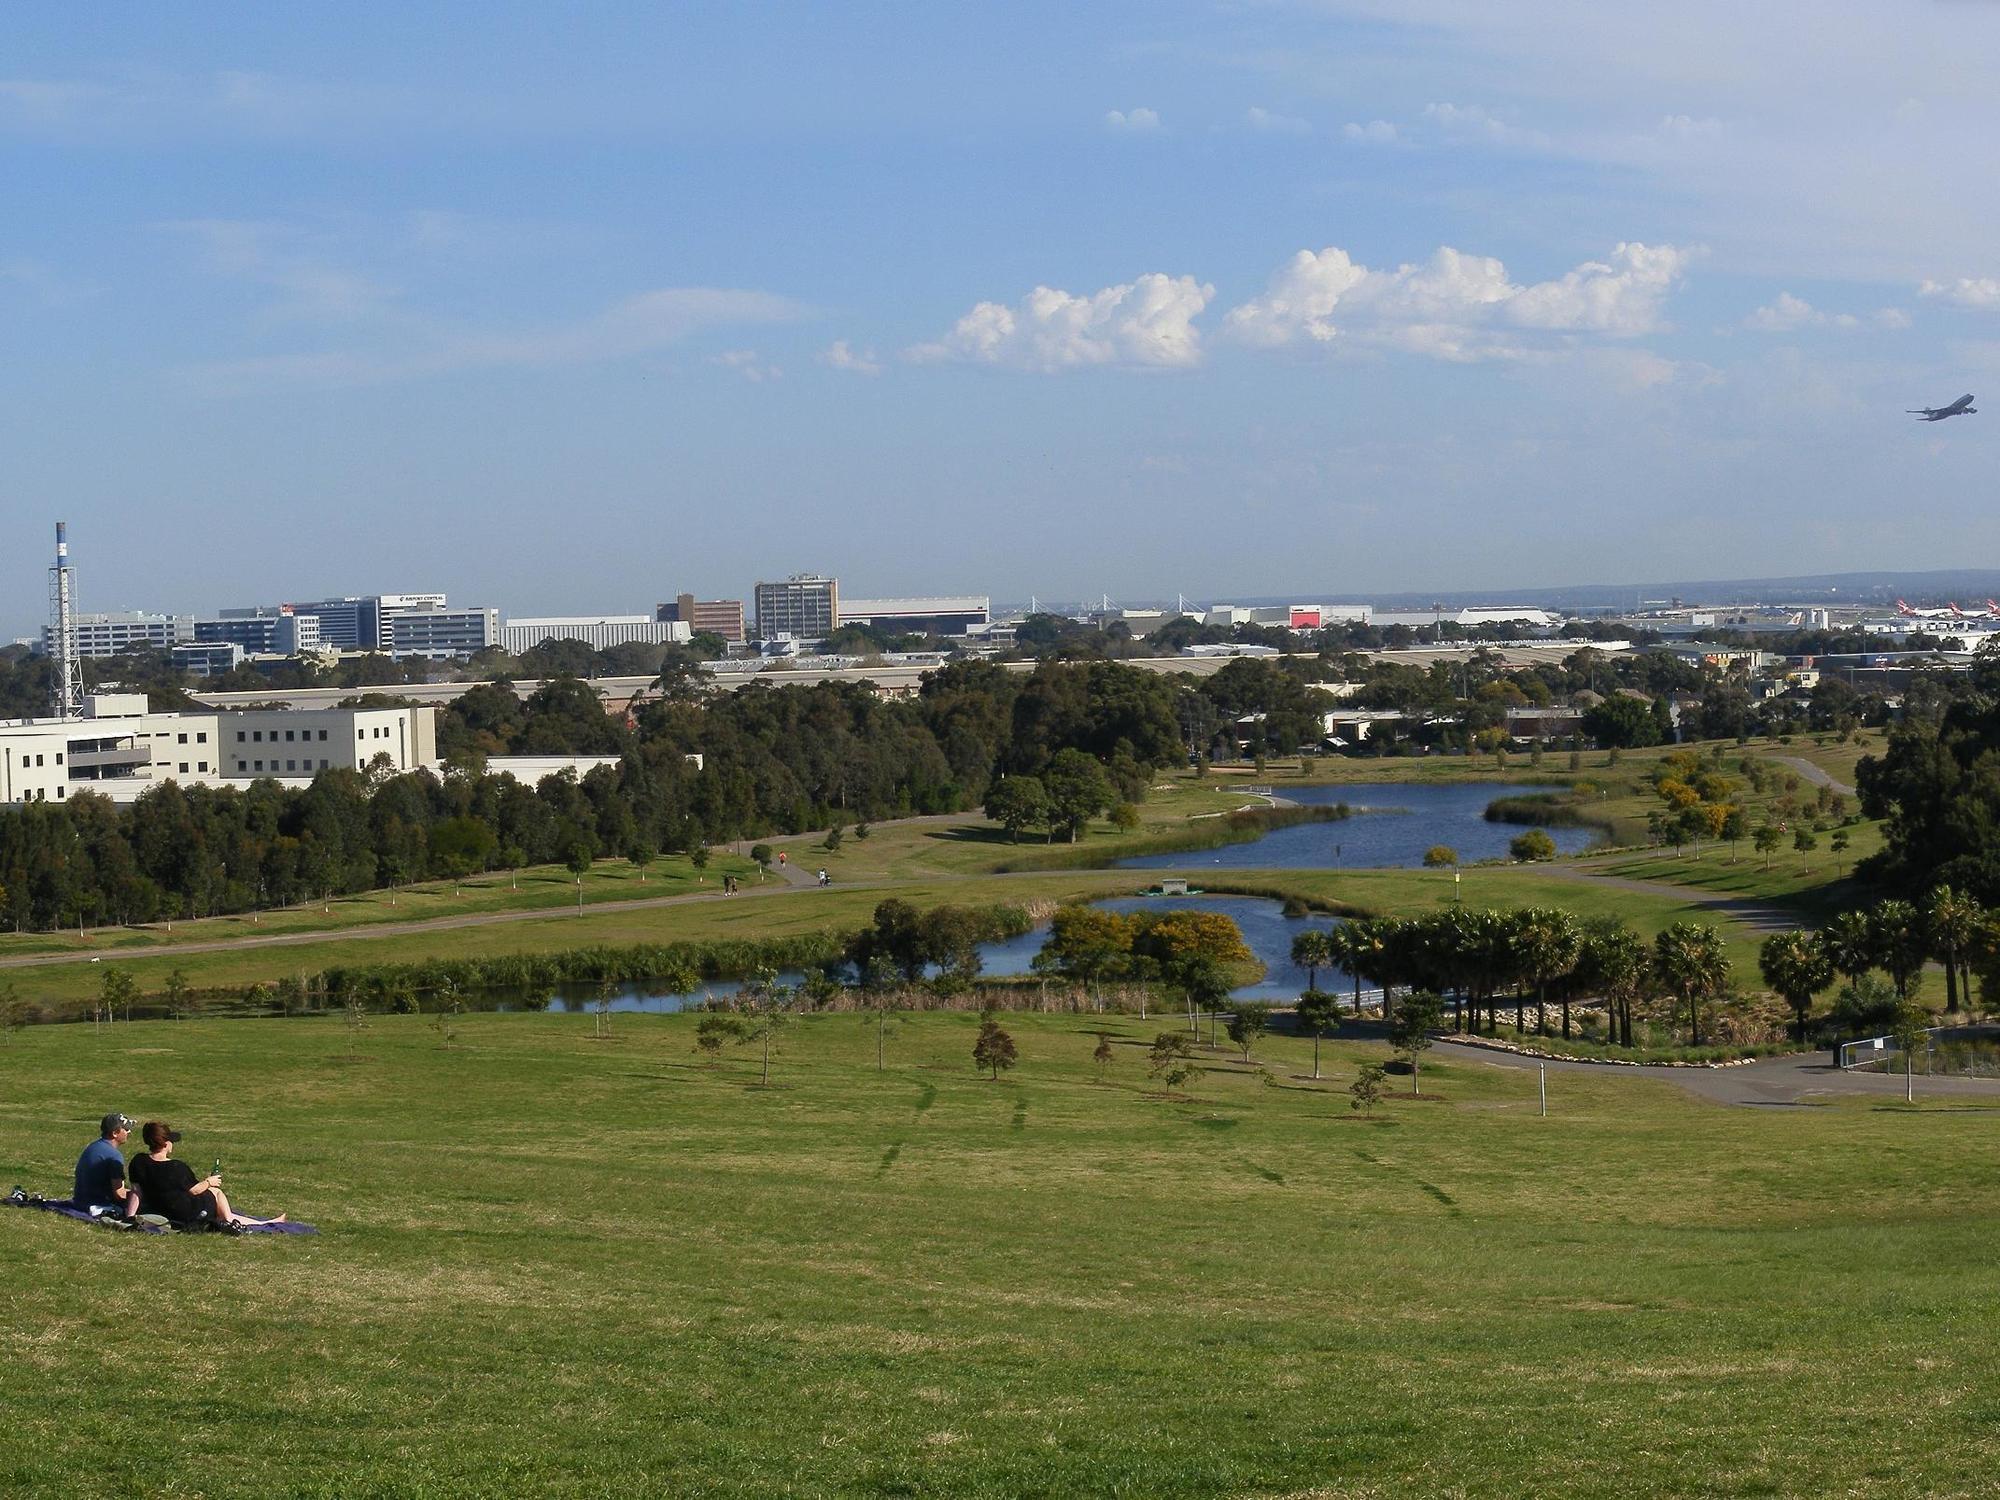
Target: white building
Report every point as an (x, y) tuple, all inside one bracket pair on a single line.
[(596, 631), (119, 748), (115, 633)]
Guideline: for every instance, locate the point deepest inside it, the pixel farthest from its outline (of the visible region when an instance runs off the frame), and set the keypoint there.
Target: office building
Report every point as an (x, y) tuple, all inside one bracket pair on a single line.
[(723, 617), (439, 632), (804, 606), (207, 658), (262, 632), (595, 631), (943, 615), (119, 748), (120, 632), (359, 622)]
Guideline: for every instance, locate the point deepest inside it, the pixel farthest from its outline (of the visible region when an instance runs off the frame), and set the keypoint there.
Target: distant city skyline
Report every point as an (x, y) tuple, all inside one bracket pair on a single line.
[(574, 312)]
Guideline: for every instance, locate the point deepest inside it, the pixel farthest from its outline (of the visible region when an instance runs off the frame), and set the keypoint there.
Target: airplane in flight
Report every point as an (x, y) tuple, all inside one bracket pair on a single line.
[(1962, 407)]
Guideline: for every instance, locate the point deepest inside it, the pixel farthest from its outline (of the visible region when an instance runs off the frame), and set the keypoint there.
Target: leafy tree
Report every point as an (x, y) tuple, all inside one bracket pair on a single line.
[(1077, 791), (832, 841), (1171, 1059), (1766, 841), (1796, 967), (1441, 856), (1103, 1054), (641, 851), (1367, 1087), (1839, 843), (1421, 1013), (993, 1049), (764, 1019), (1125, 817), (1805, 841), (1318, 1013), (116, 990), (175, 992), (1532, 846), (761, 855), (1246, 1024), (1620, 722), (1693, 966), (1017, 803), (714, 1031), (1911, 1029)]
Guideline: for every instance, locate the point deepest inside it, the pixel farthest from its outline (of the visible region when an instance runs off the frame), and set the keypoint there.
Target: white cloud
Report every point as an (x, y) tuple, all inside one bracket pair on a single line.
[(1456, 306), (1147, 323), (748, 363), (1790, 313), (1474, 122), (1259, 118), (839, 356), (1132, 121), (1689, 127), (1374, 133), (1981, 292)]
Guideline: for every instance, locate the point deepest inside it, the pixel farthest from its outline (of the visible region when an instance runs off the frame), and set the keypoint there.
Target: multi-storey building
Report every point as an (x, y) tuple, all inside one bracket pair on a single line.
[(120, 748), (723, 617), (439, 632), (262, 632), (804, 606), (118, 632)]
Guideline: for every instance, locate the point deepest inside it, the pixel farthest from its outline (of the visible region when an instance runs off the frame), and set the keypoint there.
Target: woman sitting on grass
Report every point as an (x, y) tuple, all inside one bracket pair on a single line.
[(170, 1188)]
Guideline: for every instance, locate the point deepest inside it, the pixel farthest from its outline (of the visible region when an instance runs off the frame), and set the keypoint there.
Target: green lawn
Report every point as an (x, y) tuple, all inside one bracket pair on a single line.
[(557, 1266)]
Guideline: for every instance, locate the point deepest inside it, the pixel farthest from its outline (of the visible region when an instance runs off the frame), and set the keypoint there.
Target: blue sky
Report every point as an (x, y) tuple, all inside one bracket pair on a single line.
[(573, 311)]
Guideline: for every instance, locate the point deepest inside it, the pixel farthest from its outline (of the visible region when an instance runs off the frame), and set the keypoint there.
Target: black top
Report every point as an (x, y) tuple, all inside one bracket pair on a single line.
[(164, 1188)]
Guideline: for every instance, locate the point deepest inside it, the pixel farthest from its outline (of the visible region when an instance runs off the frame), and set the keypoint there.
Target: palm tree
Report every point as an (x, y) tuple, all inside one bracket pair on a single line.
[(1849, 944), (1691, 962), (1901, 943), (1797, 968), (1343, 945), (1613, 961), (1312, 951), (1546, 943), (1952, 921)]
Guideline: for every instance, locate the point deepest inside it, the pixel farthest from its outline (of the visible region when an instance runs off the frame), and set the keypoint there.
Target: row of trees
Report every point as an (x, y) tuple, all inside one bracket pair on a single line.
[(1896, 937), (1538, 953)]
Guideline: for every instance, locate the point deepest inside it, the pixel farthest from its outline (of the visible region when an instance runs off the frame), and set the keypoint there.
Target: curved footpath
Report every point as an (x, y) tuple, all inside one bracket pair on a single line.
[(1798, 1079)]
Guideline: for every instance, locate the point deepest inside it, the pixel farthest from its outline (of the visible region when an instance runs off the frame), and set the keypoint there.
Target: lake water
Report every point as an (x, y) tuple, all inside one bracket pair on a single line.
[(1267, 931), (1399, 823)]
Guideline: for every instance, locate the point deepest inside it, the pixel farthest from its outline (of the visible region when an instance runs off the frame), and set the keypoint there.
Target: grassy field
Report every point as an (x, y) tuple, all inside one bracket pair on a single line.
[(556, 1266)]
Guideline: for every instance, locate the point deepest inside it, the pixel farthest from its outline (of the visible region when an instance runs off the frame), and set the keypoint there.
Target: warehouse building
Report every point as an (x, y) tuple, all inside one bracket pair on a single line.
[(595, 631), (940, 615)]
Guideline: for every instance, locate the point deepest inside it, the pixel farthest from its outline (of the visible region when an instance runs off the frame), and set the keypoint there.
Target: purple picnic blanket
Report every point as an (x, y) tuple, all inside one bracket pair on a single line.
[(70, 1211)]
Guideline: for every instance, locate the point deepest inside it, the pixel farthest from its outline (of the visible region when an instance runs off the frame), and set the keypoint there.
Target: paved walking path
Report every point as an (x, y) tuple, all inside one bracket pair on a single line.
[(1813, 773), (1792, 1080)]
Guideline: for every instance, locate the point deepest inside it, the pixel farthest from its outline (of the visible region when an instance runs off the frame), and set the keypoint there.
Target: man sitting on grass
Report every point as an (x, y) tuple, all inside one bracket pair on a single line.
[(100, 1172)]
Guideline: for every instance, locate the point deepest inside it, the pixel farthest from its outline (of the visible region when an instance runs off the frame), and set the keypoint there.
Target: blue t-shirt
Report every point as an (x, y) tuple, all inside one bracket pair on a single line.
[(99, 1173)]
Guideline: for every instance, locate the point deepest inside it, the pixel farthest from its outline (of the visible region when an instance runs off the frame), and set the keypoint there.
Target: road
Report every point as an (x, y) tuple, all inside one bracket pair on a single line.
[(1790, 1081)]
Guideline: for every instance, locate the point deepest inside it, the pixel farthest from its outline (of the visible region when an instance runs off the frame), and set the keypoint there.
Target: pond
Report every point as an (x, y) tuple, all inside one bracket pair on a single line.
[(1267, 931), (1394, 823)]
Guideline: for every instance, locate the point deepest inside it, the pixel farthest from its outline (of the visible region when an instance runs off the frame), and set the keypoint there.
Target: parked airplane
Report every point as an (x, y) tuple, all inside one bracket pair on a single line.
[(1949, 612), (1962, 407)]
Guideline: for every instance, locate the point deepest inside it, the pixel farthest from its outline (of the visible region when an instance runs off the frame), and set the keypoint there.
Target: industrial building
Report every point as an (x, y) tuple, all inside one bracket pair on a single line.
[(945, 615), (596, 631), (804, 606), (119, 748), (723, 617), (119, 632)]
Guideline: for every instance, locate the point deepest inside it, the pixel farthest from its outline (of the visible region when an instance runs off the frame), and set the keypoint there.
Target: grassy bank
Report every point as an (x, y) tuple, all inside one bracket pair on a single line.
[(553, 1265)]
